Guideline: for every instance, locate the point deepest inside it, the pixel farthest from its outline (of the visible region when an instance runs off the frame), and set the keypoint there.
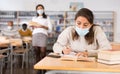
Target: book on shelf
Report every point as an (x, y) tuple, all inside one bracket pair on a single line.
[(109, 57)]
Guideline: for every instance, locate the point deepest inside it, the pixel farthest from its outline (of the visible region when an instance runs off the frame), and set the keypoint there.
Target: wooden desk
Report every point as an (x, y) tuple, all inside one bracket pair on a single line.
[(4, 43), (27, 39), (49, 63)]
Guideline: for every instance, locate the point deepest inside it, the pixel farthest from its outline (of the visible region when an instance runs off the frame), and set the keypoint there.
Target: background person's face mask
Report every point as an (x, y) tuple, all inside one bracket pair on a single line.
[(81, 32), (40, 12), (9, 27)]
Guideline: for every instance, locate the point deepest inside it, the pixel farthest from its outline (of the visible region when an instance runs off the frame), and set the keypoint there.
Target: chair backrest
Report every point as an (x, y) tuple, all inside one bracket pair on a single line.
[(3, 50)]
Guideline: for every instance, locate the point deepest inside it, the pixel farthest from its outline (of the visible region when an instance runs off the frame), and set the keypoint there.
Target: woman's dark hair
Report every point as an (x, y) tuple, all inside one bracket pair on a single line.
[(44, 15), (84, 12)]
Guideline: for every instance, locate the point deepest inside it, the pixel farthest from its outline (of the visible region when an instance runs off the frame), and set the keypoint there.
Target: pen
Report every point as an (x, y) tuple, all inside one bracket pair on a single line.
[(86, 53)]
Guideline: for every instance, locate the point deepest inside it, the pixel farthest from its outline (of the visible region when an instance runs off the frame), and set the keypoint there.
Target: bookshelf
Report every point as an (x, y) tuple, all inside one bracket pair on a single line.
[(26, 15), (106, 20), (6, 16), (61, 19)]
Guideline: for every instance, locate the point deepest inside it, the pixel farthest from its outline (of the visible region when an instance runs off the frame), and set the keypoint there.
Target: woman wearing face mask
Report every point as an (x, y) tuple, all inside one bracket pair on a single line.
[(83, 39), (84, 36), (40, 32)]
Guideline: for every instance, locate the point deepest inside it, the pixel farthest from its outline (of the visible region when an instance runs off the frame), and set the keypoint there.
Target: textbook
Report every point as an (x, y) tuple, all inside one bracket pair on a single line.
[(70, 57), (109, 57), (77, 58), (33, 24)]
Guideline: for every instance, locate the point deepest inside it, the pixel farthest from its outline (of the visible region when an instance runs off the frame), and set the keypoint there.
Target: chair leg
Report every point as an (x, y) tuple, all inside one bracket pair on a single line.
[(23, 60), (26, 56), (2, 60)]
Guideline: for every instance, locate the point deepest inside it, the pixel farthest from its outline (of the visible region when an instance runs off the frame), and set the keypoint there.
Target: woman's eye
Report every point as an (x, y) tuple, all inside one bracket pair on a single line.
[(79, 23), (86, 24)]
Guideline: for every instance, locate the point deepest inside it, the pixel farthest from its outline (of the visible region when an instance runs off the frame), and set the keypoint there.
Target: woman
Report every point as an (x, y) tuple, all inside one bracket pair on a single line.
[(41, 24), (84, 36), (83, 39)]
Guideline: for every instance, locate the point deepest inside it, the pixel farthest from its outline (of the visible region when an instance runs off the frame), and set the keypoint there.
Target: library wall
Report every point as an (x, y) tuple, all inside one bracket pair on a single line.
[(63, 5)]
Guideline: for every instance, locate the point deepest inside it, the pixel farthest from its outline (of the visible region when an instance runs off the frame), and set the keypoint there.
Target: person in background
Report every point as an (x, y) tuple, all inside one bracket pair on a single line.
[(83, 36), (24, 32), (10, 31), (41, 25)]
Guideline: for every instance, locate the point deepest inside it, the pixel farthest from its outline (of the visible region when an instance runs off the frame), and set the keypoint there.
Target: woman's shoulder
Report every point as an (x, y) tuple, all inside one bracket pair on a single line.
[(97, 28), (70, 28), (67, 32)]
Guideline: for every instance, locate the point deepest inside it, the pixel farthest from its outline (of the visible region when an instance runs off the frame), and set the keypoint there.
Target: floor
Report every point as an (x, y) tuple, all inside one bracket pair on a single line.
[(17, 69)]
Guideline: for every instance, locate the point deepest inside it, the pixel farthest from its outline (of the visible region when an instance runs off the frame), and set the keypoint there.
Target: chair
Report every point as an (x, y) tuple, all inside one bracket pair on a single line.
[(28, 41), (19, 50), (2, 57)]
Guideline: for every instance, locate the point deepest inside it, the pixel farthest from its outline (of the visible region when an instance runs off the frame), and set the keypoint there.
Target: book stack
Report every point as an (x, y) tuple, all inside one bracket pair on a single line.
[(115, 45), (109, 57)]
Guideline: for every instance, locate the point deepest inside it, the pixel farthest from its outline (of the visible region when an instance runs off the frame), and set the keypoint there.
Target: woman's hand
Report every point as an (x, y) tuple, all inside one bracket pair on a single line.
[(66, 50), (84, 54)]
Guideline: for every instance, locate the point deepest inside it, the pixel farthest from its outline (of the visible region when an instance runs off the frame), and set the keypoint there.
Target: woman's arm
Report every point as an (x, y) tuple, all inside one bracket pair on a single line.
[(37, 25), (62, 41), (101, 39)]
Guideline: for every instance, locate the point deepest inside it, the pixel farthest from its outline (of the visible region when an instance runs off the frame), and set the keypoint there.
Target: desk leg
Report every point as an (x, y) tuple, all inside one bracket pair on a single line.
[(11, 59)]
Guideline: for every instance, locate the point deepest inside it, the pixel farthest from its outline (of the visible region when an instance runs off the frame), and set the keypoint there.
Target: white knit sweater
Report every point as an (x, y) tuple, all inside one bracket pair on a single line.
[(65, 39)]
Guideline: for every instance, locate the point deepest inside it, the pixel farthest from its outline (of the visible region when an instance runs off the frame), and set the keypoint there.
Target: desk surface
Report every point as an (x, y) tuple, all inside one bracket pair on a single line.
[(49, 63)]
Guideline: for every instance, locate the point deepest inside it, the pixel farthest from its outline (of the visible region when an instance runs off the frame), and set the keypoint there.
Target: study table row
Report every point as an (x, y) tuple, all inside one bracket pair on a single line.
[(17, 42), (50, 63)]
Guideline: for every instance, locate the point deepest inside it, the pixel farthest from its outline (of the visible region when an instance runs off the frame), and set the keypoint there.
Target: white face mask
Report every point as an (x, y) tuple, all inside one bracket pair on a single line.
[(40, 12), (81, 32), (9, 27)]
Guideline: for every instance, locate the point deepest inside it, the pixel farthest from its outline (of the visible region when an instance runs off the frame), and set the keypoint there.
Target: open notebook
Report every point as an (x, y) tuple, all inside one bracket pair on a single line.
[(77, 58), (71, 57)]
